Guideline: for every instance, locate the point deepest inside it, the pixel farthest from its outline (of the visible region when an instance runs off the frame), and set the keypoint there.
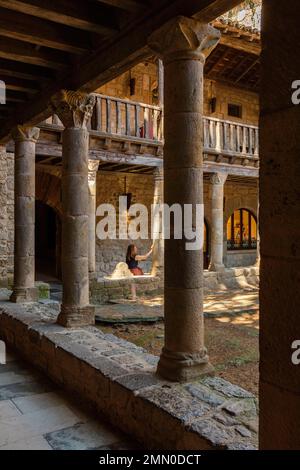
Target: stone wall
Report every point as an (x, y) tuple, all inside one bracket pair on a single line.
[(104, 290), (145, 76), (240, 258), (109, 187), (225, 95), (6, 216)]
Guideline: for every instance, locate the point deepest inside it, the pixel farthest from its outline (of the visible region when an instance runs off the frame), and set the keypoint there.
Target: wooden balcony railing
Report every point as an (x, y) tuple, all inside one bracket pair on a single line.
[(127, 118), (130, 119), (230, 138)]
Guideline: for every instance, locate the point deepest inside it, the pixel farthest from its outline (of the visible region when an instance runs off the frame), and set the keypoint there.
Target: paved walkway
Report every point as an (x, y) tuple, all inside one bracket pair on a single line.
[(35, 415), (224, 303)]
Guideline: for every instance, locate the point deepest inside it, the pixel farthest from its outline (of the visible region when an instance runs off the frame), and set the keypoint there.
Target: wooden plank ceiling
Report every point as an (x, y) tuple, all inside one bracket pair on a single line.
[(77, 44)]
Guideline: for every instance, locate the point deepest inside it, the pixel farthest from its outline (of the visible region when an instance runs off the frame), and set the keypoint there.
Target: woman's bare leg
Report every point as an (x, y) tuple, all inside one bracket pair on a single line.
[(133, 291)]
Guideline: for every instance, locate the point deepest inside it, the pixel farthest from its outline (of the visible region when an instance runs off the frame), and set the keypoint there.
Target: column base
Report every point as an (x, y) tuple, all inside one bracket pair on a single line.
[(73, 316), (24, 294), (183, 367), (93, 275), (216, 267)]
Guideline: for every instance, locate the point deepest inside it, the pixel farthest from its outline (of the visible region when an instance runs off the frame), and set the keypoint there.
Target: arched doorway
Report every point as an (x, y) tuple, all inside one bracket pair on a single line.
[(242, 231), (47, 243), (206, 254)]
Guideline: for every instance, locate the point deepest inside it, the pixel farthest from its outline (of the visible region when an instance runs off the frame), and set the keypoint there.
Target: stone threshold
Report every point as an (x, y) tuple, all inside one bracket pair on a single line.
[(117, 379)]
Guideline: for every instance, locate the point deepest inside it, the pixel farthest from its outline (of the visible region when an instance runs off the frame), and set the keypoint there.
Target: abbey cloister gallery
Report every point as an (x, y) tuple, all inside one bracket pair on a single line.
[(111, 110)]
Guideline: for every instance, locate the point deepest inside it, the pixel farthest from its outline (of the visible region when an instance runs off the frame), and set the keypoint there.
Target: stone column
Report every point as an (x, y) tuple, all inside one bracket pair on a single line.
[(158, 248), (279, 225), (183, 44), (74, 109), (93, 166), (3, 217), (24, 262), (257, 264), (217, 221), (160, 66)]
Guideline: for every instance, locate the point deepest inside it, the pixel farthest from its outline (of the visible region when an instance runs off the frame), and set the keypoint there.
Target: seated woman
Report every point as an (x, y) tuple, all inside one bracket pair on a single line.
[(132, 259)]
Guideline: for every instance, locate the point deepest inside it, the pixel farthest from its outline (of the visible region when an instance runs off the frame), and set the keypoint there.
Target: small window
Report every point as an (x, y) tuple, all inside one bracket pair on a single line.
[(235, 110)]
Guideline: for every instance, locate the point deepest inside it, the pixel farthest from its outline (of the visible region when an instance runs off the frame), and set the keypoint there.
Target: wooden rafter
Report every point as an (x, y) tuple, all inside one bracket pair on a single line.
[(127, 5), (69, 13), (26, 53), (41, 32), (78, 44)]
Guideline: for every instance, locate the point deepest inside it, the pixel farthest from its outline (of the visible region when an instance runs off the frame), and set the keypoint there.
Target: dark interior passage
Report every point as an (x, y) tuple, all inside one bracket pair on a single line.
[(47, 243)]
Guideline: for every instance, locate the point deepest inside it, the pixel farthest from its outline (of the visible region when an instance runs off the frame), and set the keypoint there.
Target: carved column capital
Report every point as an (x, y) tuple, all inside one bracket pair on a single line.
[(25, 134), (218, 178), (182, 38), (93, 166), (73, 108), (158, 173)]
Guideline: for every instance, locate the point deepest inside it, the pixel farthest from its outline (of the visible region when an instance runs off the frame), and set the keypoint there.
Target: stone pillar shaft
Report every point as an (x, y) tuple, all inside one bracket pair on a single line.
[(92, 178), (258, 240), (158, 244), (279, 225), (74, 110), (182, 43), (217, 221), (24, 261), (3, 217)]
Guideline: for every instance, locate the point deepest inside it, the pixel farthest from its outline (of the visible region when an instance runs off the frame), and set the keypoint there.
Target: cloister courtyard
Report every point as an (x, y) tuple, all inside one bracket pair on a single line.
[(177, 332), (231, 331)]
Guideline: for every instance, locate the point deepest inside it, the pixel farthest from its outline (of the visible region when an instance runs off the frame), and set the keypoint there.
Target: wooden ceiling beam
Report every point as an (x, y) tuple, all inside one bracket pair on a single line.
[(74, 13), (13, 83), (127, 5), (115, 55), (238, 79), (26, 53), (41, 32), (215, 64), (16, 96), (242, 65), (242, 45), (9, 68)]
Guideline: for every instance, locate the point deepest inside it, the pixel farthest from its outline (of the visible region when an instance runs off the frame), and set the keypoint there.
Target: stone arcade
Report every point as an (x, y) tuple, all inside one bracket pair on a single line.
[(85, 121)]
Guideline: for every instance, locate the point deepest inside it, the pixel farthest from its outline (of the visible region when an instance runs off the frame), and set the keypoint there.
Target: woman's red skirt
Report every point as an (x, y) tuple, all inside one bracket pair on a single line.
[(137, 272)]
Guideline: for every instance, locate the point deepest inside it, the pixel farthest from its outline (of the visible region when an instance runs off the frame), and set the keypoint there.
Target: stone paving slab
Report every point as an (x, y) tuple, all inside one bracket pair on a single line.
[(85, 436), (8, 378), (8, 392), (33, 443), (8, 410), (148, 310), (47, 421), (209, 413), (35, 424)]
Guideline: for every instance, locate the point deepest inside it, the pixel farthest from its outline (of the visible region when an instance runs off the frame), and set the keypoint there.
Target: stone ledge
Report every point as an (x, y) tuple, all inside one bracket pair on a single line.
[(103, 290), (231, 278), (118, 379)]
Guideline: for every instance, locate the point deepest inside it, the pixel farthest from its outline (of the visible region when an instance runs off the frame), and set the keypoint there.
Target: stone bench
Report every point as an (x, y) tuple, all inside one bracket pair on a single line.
[(105, 289)]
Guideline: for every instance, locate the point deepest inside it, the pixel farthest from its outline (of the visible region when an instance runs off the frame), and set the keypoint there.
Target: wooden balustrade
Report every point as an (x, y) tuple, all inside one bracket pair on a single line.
[(127, 118), (226, 137), (142, 121)]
